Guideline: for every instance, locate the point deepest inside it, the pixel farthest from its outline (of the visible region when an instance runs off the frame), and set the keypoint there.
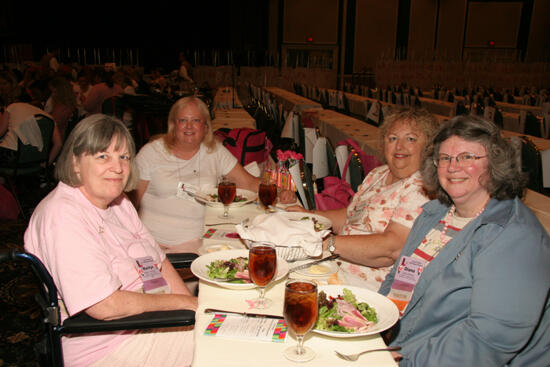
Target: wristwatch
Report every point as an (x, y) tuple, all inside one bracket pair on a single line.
[(331, 244)]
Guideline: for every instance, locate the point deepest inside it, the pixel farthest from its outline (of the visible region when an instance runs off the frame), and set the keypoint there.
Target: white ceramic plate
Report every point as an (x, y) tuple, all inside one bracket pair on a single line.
[(386, 310), (198, 267), (205, 197), (330, 266), (208, 248), (325, 222)]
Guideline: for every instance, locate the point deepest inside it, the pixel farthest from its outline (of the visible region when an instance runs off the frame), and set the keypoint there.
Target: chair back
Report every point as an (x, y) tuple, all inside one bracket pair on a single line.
[(531, 164), (113, 106), (29, 158)]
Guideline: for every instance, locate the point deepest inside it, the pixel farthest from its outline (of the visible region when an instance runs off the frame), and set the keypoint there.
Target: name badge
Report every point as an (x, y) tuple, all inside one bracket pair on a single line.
[(153, 281), (407, 275)]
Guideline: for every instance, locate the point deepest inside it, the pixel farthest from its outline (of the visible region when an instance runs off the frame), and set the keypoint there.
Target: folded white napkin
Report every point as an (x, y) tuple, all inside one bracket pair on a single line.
[(282, 231), (342, 153), (310, 135), (320, 164)]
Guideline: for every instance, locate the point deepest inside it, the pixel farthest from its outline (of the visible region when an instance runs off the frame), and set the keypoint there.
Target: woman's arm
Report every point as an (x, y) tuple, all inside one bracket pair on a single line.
[(243, 179), (136, 195), (374, 250), (57, 144), (123, 303), (126, 303), (4, 119), (177, 285)]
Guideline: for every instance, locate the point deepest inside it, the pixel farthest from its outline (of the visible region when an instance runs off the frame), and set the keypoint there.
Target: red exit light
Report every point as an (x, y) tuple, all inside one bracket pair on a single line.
[(310, 39)]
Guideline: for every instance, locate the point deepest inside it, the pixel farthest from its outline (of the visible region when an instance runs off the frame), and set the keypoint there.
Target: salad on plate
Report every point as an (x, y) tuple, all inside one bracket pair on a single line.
[(344, 314), (234, 270)]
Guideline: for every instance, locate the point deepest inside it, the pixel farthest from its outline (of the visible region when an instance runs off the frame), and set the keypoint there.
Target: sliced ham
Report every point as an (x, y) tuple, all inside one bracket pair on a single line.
[(351, 317)]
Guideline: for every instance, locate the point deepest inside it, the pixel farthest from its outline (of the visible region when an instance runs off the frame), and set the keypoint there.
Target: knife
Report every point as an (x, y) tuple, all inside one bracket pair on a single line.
[(307, 265), (245, 314)]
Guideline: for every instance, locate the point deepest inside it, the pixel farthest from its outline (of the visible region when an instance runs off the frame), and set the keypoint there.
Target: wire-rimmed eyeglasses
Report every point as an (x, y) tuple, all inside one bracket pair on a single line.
[(463, 159)]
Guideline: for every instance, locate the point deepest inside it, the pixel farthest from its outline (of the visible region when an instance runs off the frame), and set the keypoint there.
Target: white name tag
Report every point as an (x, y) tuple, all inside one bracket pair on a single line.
[(153, 281)]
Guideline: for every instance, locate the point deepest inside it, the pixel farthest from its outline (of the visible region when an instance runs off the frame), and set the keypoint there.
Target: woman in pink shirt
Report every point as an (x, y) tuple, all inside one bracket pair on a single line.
[(90, 238)]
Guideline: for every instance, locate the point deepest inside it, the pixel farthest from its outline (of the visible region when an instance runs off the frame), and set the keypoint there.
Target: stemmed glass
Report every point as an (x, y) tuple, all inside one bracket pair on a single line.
[(227, 191), (300, 312), (262, 266), (267, 192)]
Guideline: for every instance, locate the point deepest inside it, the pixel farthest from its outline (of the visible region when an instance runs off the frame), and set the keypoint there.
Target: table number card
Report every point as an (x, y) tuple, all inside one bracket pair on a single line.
[(255, 328)]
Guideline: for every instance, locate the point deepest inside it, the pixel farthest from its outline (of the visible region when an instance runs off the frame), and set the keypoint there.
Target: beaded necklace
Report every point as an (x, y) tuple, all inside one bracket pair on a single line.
[(447, 221)]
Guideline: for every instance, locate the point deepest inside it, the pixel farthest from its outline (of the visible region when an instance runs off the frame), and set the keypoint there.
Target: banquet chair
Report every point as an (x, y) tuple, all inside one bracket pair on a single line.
[(30, 160), (49, 350), (113, 106), (531, 163), (356, 172)]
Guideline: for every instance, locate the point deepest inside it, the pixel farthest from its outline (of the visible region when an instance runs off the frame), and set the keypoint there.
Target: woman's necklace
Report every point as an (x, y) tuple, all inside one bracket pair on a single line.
[(447, 221)]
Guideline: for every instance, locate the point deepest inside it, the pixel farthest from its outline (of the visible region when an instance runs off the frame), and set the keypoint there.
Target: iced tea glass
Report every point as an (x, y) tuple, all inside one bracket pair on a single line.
[(262, 266), (300, 312)]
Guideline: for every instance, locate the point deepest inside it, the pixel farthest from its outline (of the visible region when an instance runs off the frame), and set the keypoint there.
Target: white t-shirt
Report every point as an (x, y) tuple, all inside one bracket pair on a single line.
[(173, 220)]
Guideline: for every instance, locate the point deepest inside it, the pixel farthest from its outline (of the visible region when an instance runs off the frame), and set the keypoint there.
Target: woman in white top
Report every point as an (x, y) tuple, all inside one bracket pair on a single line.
[(187, 154)]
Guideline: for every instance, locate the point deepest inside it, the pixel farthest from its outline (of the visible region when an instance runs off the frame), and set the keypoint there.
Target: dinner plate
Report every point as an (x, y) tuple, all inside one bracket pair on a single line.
[(205, 197), (316, 270), (198, 267), (296, 216), (208, 248), (386, 310)]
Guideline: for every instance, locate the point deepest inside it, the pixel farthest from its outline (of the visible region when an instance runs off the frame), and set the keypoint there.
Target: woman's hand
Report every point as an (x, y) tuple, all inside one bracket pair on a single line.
[(287, 197)]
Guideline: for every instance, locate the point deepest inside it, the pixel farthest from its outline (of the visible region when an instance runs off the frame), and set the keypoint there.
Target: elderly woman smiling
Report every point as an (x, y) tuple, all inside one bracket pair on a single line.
[(89, 236), (373, 228), (482, 256)]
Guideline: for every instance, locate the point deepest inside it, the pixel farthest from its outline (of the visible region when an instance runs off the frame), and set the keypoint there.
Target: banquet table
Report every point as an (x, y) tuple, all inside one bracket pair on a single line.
[(224, 351), (232, 119), (229, 112), (292, 101), (226, 98), (336, 127)]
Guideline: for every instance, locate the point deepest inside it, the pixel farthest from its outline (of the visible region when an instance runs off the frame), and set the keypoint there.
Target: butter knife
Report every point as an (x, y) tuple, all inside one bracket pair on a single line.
[(307, 265), (245, 314)]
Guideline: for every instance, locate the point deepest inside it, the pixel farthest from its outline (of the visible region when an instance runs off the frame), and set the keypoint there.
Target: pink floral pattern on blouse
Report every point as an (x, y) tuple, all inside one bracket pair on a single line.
[(372, 208)]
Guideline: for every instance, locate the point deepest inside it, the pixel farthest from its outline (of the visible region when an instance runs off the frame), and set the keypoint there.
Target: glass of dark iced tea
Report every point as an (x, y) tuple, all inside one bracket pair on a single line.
[(227, 190), (262, 266), (300, 311)]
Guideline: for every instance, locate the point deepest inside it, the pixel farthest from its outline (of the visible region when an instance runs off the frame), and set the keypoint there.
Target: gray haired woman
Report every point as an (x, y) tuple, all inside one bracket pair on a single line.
[(482, 256), (90, 238)]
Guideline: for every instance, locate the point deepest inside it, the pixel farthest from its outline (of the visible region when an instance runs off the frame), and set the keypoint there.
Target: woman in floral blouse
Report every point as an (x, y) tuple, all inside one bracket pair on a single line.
[(372, 230)]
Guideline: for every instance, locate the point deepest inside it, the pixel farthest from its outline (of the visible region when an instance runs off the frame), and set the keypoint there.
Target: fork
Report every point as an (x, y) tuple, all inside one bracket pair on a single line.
[(353, 357)]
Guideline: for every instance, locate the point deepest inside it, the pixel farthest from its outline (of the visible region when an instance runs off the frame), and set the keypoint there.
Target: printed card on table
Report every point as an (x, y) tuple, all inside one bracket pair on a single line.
[(220, 234), (255, 328)]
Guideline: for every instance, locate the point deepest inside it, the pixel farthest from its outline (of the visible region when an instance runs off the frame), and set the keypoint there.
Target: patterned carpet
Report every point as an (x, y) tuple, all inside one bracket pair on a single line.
[(20, 325)]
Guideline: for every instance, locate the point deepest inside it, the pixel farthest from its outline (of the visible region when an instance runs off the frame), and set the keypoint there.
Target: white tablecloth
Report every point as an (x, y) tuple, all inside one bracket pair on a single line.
[(218, 351)]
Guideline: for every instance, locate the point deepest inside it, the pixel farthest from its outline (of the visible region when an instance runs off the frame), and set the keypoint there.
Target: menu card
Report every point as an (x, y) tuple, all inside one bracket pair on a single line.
[(217, 234), (242, 327)]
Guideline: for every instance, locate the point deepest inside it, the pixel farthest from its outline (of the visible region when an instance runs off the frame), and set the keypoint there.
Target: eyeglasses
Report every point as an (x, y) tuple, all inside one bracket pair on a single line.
[(463, 159)]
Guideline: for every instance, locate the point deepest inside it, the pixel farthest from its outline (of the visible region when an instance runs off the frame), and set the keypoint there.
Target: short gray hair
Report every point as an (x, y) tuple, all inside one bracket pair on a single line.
[(92, 135), (505, 179)]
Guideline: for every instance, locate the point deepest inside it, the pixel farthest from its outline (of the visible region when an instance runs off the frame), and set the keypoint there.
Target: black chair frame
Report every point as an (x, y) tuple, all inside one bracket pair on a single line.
[(50, 350)]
